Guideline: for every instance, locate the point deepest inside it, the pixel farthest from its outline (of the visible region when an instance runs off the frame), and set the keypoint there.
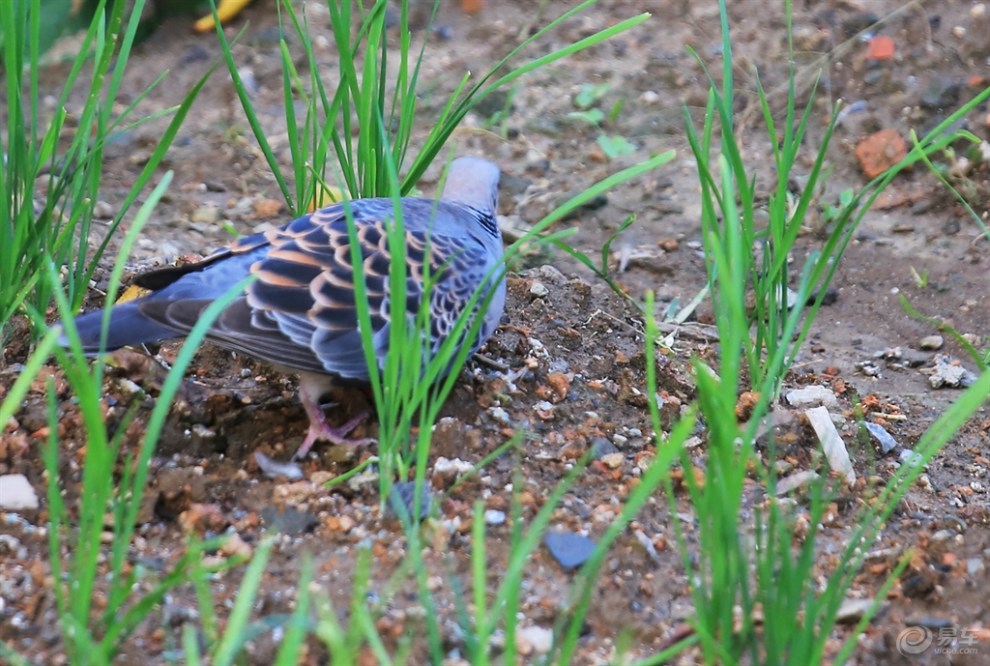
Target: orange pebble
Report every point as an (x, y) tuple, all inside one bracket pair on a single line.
[(881, 47)]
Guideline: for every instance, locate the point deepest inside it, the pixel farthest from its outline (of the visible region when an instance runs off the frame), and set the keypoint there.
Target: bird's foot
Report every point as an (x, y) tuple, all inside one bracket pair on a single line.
[(320, 430)]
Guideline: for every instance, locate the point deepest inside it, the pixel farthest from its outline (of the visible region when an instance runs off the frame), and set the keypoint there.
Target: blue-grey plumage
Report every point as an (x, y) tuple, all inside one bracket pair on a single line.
[(300, 312)]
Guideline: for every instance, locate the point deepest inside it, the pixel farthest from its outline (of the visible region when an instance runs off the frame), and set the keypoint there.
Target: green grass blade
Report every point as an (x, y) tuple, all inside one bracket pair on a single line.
[(234, 635)]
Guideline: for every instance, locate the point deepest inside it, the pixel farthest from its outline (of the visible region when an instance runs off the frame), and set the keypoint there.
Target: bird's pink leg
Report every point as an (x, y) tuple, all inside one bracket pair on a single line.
[(319, 429)]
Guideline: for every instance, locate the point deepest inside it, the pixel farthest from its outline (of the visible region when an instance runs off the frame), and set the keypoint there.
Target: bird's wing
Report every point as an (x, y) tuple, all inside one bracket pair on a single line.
[(306, 283), (301, 312)]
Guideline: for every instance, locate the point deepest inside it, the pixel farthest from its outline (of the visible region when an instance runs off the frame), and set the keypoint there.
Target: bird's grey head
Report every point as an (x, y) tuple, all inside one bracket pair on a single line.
[(473, 181)]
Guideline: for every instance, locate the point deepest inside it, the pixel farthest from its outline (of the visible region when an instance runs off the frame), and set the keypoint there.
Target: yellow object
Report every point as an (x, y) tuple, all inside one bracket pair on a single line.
[(132, 293), (226, 10), (325, 196)]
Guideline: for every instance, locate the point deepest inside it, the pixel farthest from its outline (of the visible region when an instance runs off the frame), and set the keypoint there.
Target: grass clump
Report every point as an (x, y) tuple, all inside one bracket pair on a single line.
[(113, 484), (50, 184), (753, 574), (339, 129), (54, 159)]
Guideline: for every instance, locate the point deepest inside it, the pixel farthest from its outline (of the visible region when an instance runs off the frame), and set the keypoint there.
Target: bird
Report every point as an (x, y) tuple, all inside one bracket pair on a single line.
[(300, 314)]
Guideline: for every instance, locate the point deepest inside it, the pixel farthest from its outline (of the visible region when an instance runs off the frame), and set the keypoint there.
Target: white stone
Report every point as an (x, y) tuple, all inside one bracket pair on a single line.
[(811, 395), (949, 373), (207, 214), (539, 290), (912, 458), (534, 639), (16, 493), (456, 466), (494, 517), (499, 414), (832, 444), (613, 460), (796, 480)]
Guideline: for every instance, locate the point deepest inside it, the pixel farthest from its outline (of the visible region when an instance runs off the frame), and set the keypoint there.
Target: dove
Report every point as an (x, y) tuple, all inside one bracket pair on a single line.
[(300, 315)]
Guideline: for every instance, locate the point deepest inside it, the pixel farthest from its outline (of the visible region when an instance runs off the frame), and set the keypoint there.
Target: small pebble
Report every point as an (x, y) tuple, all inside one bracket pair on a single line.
[(571, 550), (884, 438), (494, 517), (128, 386), (208, 214), (613, 460), (931, 342), (787, 484), (11, 547), (402, 496), (287, 520), (264, 208), (559, 383), (913, 358), (649, 97), (949, 372), (16, 493), (201, 431), (810, 396), (534, 640), (943, 535), (456, 466), (868, 368), (539, 290), (930, 621), (879, 151), (909, 457), (103, 211), (248, 79), (499, 414), (852, 610), (601, 447), (446, 472), (971, 338)]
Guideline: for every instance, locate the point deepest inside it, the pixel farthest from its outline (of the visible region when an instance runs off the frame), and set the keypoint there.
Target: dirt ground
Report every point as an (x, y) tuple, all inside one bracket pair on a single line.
[(582, 344)]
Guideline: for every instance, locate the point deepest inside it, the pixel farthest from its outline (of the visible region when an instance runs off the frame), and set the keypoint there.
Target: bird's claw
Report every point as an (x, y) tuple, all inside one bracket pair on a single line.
[(320, 430)]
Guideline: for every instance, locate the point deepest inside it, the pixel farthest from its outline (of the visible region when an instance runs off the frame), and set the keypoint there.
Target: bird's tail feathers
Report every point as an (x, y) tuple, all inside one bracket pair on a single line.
[(128, 326)]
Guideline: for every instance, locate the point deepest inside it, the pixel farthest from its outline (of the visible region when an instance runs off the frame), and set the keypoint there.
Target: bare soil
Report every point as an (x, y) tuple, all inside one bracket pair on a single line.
[(573, 349)]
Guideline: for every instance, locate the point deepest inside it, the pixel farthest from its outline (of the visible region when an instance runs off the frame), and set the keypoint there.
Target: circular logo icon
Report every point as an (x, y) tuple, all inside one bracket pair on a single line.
[(914, 640)]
